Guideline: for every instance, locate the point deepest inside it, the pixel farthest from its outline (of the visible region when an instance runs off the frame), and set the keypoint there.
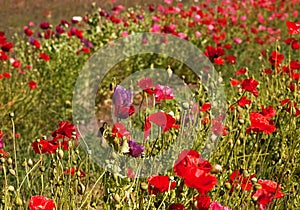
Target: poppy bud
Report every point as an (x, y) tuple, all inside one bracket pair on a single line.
[(254, 180), (60, 153), (11, 114), (19, 201), (216, 169), (257, 186), (9, 161), (12, 172), (144, 186), (117, 198), (11, 188), (228, 185), (29, 163)]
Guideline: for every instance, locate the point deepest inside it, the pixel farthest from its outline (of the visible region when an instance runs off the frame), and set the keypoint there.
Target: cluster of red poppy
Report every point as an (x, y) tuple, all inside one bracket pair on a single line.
[(61, 138)]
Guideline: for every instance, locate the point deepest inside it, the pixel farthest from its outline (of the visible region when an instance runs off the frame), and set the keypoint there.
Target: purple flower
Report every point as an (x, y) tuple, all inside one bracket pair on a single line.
[(87, 43), (217, 206), (122, 97), (140, 17), (135, 148), (31, 40)]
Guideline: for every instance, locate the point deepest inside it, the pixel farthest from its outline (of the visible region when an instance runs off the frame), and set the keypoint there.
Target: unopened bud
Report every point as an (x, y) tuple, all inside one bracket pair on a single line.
[(216, 169), (9, 161), (60, 153), (11, 188), (144, 186), (12, 172), (30, 163)]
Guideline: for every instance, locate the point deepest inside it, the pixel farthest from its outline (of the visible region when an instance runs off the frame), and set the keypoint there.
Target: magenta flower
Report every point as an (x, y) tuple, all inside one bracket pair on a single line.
[(217, 206), (136, 149)]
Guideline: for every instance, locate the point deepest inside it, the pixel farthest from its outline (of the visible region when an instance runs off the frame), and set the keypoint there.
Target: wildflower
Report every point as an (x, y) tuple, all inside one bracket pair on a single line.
[(32, 85), (195, 171), (176, 206), (269, 191), (163, 93), (136, 149), (73, 170), (236, 178), (260, 123), (217, 206), (243, 101), (44, 56), (147, 85), (120, 131), (122, 100), (294, 27), (42, 146), (276, 58), (39, 202), (161, 119), (66, 129), (160, 184), (203, 202), (250, 86), (45, 25)]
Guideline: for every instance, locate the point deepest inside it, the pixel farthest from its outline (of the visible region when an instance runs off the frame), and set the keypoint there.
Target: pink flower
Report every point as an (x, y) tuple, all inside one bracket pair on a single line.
[(237, 40), (217, 206)]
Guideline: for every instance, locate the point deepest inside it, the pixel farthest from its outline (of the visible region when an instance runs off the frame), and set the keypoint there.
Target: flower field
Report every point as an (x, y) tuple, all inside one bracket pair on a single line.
[(172, 105)]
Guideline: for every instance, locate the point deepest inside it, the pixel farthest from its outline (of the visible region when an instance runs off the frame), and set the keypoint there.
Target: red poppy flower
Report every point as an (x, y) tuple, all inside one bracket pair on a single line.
[(200, 180), (3, 153), (73, 170), (66, 129), (213, 53), (219, 61), (203, 202), (241, 71), (269, 191), (159, 184), (195, 171), (290, 104), (295, 45), (44, 56), (268, 112), (7, 46), (205, 107), (39, 202), (218, 128), (260, 123), (276, 58), (27, 31), (3, 56), (234, 82), (16, 64), (120, 131), (161, 119), (6, 75), (236, 178), (42, 146), (176, 206), (243, 101), (250, 86), (147, 85), (231, 59), (32, 84), (294, 27), (190, 158)]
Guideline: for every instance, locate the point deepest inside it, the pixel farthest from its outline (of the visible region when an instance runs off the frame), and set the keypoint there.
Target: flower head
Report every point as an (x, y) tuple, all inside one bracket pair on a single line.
[(136, 149), (160, 184), (39, 202)]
